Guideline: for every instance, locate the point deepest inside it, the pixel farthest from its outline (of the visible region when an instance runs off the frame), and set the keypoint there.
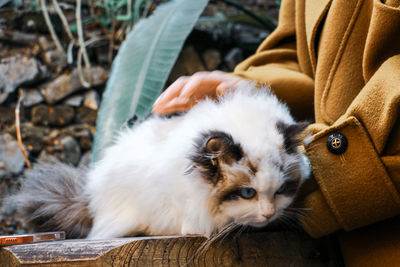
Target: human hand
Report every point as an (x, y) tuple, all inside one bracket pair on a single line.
[(187, 90)]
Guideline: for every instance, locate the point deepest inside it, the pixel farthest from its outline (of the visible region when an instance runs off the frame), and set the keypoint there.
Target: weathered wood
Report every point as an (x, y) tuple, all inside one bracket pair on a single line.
[(251, 249)]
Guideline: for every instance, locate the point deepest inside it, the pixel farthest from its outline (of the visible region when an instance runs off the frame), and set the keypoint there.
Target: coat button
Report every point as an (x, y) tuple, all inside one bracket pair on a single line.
[(337, 143)]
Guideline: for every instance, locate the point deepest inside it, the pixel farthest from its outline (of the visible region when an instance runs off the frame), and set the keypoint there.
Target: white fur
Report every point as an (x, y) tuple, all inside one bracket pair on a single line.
[(140, 187)]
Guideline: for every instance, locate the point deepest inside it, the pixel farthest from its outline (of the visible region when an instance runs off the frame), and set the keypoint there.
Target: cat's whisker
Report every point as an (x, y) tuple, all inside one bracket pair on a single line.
[(218, 236), (290, 222), (296, 208)]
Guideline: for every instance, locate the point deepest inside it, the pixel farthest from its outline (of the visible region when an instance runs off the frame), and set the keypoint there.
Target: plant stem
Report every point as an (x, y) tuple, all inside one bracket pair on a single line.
[(82, 49), (18, 129), (50, 26), (63, 20), (267, 23), (112, 41)]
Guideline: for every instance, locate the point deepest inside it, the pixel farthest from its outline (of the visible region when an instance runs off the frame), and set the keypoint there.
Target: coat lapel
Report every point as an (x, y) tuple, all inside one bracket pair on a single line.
[(315, 11)]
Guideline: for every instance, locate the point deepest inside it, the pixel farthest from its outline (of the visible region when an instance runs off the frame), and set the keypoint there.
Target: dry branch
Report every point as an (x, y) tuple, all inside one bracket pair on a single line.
[(18, 129)]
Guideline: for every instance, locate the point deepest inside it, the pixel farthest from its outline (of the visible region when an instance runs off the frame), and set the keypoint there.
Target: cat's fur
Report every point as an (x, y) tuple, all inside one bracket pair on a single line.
[(178, 176)]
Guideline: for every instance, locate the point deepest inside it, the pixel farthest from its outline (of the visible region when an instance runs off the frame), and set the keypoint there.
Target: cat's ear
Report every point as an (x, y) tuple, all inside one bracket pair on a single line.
[(291, 134), (211, 151), (221, 148)]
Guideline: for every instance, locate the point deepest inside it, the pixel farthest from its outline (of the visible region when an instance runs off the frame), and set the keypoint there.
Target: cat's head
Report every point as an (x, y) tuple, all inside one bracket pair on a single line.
[(246, 188)]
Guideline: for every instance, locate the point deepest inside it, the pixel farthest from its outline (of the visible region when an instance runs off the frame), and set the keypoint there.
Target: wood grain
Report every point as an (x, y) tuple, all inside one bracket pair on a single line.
[(250, 249)]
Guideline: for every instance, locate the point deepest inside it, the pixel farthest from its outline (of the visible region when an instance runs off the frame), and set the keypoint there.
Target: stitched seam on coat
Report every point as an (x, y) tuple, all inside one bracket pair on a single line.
[(387, 182), (298, 20), (321, 183), (311, 47), (336, 62), (354, 121)]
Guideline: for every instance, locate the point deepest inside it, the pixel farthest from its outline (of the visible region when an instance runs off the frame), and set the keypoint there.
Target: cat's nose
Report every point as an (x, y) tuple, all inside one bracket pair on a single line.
[(268, 210), (268, 215)]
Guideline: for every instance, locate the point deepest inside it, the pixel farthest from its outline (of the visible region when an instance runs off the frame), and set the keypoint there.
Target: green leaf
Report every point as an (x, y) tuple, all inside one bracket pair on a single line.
[(142, 66), (136, 9)]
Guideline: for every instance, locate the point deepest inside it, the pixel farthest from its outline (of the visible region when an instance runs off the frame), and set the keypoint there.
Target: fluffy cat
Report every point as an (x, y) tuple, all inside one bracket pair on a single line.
[(223, 163)]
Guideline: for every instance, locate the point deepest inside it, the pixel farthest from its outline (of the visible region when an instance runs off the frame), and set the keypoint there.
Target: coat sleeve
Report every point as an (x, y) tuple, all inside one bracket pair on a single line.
[(276, 64), (360, 186)]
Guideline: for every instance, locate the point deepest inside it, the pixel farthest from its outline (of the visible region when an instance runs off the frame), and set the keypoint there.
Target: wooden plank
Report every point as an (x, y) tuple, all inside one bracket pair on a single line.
[(250, 249)]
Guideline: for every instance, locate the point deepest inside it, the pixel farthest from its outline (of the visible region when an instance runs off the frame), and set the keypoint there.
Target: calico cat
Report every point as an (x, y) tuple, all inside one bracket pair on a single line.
[(226, 162)]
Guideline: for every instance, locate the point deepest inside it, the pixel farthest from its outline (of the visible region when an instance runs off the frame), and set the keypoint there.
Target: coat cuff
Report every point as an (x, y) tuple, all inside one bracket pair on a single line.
[(354, 187)]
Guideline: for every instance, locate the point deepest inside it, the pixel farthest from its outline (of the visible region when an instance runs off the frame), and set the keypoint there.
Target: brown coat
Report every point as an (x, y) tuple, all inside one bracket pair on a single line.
[(340, 61)]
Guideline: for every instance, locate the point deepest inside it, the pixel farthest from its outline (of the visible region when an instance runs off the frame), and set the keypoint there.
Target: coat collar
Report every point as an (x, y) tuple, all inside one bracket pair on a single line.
[(315, 11)]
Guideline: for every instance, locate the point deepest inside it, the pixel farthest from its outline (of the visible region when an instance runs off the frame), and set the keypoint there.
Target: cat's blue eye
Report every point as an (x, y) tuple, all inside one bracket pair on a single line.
[(247, 192), (281, 189)]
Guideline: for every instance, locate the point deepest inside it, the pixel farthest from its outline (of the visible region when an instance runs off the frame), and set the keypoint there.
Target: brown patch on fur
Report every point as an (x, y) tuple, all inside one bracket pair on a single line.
[(228, 187), (253, 168), (213, 150), (215, 153)]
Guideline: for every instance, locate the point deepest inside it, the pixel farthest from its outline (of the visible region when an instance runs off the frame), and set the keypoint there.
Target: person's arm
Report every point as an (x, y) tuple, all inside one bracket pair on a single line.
[(275, 64), (360, 185)]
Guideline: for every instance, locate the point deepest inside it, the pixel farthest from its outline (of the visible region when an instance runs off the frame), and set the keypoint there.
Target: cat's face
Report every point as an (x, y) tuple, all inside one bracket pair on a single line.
[(247, 189)]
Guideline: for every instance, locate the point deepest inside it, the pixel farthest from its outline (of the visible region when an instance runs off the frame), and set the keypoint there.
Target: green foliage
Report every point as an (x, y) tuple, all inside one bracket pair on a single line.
[(264, 21), (142, 66), (109, 11), (136, 9), (113, 10)]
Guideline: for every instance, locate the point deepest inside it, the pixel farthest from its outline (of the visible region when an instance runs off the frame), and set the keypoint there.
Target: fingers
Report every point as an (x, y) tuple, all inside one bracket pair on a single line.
[(175, 105), (172, 92), (223, 88), (186, 91), (229, 84)]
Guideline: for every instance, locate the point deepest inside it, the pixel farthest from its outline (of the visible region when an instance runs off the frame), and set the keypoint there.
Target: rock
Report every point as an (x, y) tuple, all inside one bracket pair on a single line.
[(46, 157), (9, 209), (17, 36), (60, 87), (7, 116), (248, 36), (212, 58), (99, 76), (10, 154), (17, 71), (191, 60), (74, 101), (69, 83), (46, 44), (187, 63), (55, 59), (86, 115), (82, 133), (92, 100), (4, 173), (71, 152), (233, 58), (32, 97), (4, 2), (32, 136), (52, 115)]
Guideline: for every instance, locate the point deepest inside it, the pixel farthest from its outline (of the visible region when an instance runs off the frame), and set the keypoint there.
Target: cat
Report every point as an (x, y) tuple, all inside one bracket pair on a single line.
[(229, 162)]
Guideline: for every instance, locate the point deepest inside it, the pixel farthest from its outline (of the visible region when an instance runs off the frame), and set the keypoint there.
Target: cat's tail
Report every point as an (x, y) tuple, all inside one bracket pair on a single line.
[(52, 198)]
